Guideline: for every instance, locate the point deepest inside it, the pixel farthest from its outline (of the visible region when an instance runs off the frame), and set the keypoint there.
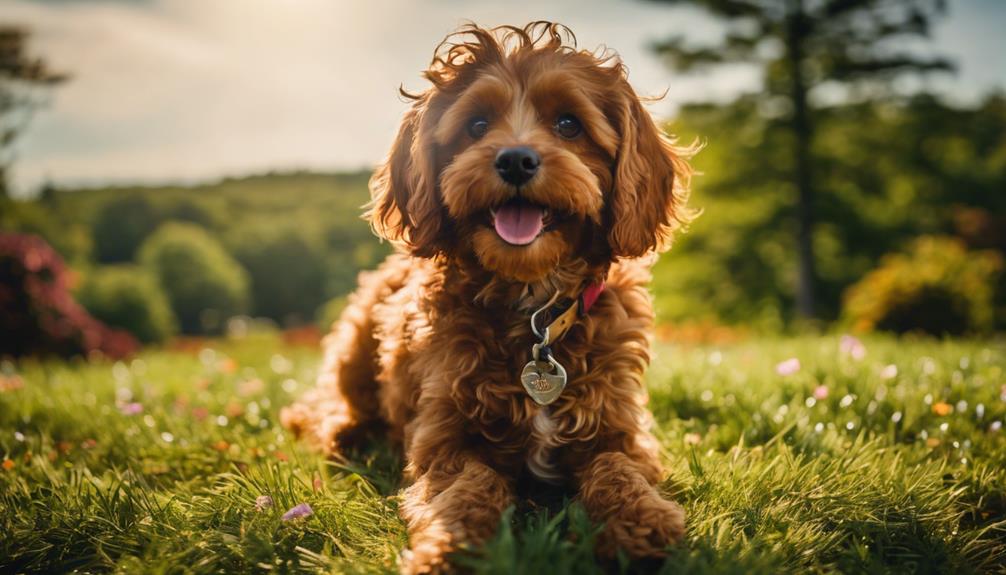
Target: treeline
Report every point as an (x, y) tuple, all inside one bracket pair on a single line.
[(166, 260)]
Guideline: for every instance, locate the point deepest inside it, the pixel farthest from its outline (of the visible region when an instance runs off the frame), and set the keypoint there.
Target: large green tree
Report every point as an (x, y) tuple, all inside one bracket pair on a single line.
[(810, 51), (887, 172), (22, 79)]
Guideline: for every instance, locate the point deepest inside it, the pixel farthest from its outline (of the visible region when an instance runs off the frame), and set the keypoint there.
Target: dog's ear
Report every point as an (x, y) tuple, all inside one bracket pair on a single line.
[(647, 203), (404, 203)]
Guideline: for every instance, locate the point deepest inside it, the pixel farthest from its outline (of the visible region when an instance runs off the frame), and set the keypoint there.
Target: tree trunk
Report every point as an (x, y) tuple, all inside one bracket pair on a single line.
[(802, 126)]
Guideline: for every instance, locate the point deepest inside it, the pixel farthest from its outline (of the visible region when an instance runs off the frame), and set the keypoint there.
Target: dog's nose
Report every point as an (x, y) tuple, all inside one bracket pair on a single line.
[(517, 165)]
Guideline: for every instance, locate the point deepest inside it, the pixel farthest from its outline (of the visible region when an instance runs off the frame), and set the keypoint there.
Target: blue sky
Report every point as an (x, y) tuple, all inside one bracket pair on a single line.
[(186, 90)]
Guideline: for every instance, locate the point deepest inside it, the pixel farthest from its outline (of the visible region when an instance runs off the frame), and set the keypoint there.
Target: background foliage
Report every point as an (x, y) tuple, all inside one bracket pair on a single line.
[(204, 284), (131, 298), (888, 172), (277, 246)]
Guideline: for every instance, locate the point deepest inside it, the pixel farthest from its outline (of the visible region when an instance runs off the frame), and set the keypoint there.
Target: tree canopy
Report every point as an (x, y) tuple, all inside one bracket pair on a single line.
[(804, 48)]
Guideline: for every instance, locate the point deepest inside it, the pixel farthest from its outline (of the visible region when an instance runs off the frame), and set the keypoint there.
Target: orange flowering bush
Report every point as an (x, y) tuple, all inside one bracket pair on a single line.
[(936, 287)]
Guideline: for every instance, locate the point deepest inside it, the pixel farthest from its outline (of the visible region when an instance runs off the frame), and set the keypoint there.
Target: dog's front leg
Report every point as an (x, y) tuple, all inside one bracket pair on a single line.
[(618, 490), (450, 505), (456, 502)]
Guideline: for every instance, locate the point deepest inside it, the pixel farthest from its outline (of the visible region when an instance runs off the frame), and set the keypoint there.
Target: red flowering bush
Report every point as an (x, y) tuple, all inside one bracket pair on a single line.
[(38, 316)]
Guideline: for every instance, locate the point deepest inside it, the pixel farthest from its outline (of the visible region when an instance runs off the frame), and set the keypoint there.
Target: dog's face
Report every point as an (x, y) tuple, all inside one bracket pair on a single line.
[(527, 154)]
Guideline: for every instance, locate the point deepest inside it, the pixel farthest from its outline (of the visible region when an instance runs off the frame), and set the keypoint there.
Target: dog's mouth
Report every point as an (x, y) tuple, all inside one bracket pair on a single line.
[(519, 222)]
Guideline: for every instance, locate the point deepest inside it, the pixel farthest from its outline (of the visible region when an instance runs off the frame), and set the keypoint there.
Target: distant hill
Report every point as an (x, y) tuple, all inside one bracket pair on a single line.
[(299, 234)]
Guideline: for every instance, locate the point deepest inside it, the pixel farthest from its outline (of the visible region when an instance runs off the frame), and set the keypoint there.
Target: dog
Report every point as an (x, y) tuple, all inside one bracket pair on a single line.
[(527, 193)]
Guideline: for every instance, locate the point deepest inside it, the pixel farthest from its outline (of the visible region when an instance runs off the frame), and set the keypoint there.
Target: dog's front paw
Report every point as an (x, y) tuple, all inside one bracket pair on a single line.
[(643, 528), (324, 422), (428, 552)]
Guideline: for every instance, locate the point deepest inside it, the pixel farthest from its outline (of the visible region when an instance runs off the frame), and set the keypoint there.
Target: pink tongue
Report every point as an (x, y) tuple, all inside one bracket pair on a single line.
[(518, 223)]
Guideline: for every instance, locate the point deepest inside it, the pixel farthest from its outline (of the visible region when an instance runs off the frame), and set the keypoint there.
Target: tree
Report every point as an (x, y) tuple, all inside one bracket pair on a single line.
[(21, 78), (121, 227), (204, 284), (128, 297), (804, 47), (887, 172), (286, 270)]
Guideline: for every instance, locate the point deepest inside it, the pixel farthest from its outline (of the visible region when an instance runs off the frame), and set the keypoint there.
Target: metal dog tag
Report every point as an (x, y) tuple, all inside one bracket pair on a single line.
[(543, 380)]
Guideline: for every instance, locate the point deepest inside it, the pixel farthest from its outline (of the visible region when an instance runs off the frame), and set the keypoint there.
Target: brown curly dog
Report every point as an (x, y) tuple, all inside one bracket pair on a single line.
[(528, 178)]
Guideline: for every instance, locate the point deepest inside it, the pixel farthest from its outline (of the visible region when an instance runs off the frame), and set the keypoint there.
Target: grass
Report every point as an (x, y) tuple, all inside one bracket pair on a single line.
[(851, 466)]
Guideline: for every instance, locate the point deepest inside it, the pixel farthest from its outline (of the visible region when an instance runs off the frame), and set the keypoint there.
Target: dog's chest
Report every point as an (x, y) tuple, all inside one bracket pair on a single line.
[(541, 453)]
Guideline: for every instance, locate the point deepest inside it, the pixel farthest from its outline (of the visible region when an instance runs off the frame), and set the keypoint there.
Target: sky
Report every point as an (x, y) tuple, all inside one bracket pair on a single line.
[(192, 90)]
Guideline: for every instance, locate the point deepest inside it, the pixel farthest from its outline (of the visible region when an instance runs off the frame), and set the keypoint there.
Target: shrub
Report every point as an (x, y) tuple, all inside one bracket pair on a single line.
[(287, 272), (38, 316), (121, 226), (202, 281), (130, 298), (937, 287)]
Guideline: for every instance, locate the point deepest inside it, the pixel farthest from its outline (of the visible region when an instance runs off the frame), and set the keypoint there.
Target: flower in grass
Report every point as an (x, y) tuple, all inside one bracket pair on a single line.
[(693, 439), (297, 512), (10, 383), (317, 484), (221, 445), (200, 413), (131, 408), (821, 392), (942, 408), (227, 365), (788, 367), (263, 502), (890, 371), (852, 347), (8, 464), (251, 387)]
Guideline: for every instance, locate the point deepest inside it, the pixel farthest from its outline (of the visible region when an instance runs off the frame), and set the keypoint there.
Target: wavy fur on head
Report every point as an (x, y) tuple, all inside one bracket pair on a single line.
[(432, 344)]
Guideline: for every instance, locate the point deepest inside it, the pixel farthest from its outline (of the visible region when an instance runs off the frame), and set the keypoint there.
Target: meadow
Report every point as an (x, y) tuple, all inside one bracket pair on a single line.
[(836, 198), (790, 455)]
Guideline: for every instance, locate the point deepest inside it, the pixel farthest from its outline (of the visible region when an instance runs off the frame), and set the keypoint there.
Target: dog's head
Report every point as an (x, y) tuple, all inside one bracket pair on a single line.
[(527, 153)]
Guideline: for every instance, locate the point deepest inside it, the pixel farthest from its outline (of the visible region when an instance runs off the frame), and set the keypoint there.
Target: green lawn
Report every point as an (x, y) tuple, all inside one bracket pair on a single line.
[(155, 466)]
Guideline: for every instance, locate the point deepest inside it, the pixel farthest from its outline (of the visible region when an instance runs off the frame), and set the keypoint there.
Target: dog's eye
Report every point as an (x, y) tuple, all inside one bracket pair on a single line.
[(477, 127), (568, 126)]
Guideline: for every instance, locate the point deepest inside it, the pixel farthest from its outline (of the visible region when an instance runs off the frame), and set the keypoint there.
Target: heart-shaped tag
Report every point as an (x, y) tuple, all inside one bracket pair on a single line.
[(543, 380)]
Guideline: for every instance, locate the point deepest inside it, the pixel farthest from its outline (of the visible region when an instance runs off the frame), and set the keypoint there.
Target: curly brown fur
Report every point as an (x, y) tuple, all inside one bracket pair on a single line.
[(432, 343)]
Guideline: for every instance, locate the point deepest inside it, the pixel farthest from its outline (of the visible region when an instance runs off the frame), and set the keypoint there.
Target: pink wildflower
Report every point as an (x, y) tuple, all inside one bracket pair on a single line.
[(131, 408), (788, 367), (302, 510), (852, 347)]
